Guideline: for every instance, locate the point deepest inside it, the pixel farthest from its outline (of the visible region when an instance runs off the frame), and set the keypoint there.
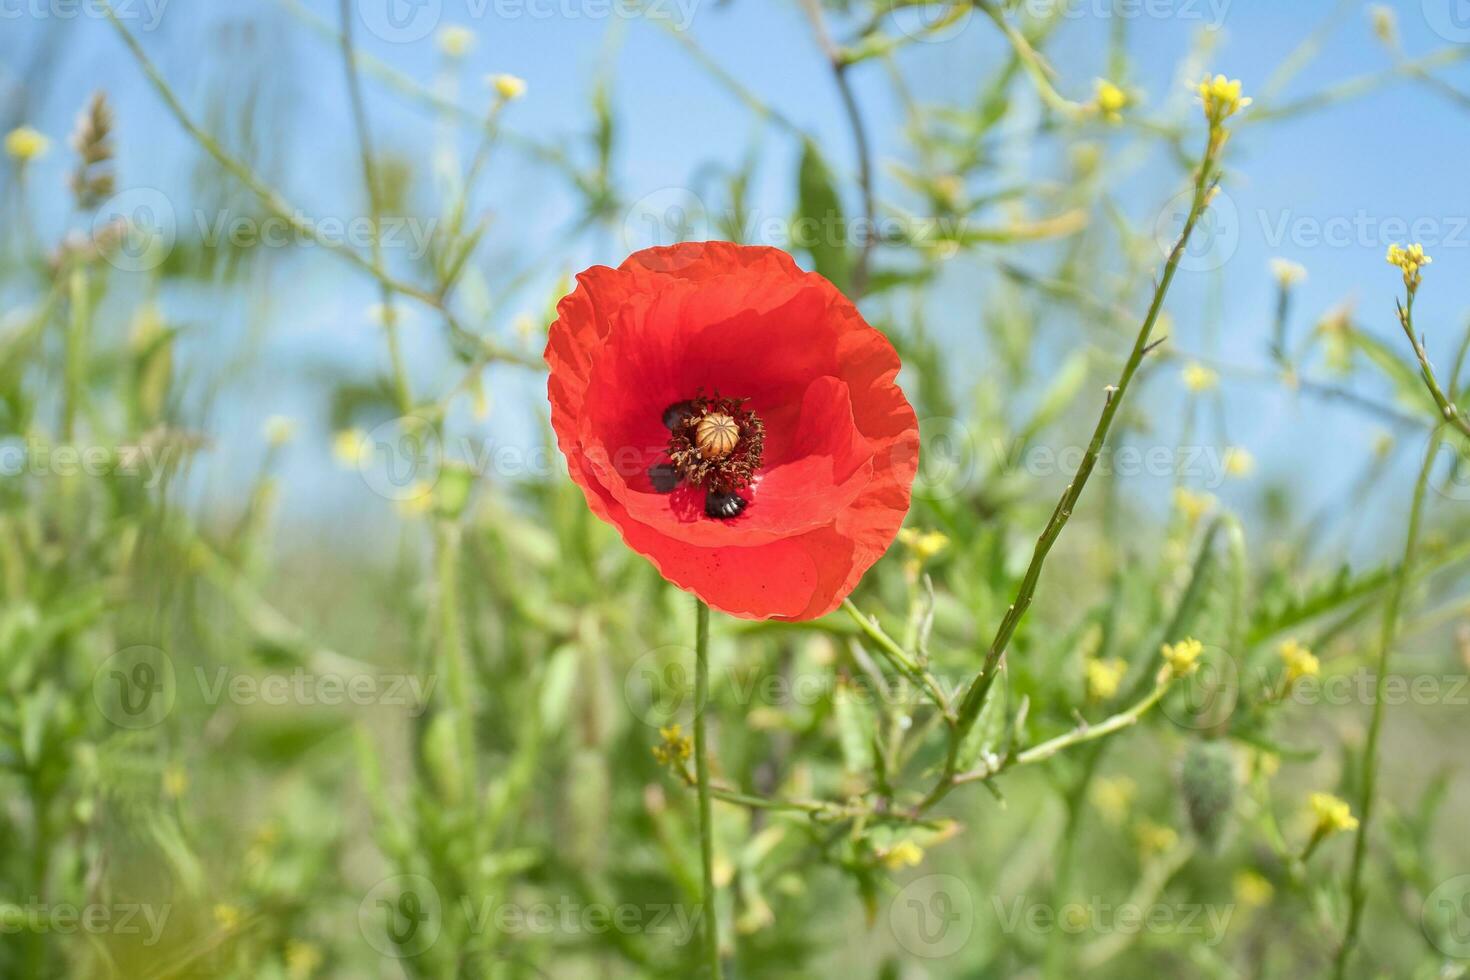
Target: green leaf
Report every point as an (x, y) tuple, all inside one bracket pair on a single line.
[(820, 226)]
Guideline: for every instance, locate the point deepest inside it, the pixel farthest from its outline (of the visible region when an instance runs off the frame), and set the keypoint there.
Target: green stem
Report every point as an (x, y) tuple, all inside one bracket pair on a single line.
[(701, 770), (1375, 726)]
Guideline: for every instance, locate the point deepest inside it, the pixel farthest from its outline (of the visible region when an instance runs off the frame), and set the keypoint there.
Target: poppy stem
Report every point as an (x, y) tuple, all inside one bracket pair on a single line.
[(701, 776)]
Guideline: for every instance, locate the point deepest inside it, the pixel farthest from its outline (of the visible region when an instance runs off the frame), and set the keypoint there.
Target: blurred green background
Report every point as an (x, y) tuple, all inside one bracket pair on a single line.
[(316, 665)]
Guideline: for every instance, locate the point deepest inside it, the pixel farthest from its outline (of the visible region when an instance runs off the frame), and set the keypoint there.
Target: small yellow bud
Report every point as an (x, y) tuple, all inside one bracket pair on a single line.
[(279, 430), (1113, 797), (456, 40), (1104, 677), (175, 781), (227, 916), (1252, 890), (1182, 658), (302, 959), (352, 449), (1299, 661), (1110, 100), (904, 854), (1287, 273), (418, 500), (1198, 378), (25, 144), (1385, 24), (1155, 838), (508, 87), (1239, 462), (1192, 506)]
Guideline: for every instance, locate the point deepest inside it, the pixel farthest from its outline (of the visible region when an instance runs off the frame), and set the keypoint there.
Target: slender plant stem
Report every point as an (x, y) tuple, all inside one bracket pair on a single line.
[(979, 690), (701, 771), (401, 394), (1448, 409), (1386, 638)]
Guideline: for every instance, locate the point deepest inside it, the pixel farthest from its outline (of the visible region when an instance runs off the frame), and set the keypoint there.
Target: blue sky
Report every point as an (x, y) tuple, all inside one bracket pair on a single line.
[(1368, 169)]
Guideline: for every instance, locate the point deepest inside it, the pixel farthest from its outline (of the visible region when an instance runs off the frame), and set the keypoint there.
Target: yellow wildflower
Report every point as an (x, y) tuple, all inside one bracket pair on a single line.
[(508, 87), (1113, 797), (1155, 838), (175, 781), (279, 430), (1299, 661), (1239, 462), (904, 854), (1252, 890), (456, 40), (1192, 505), (302, 959), (1182, 658), (25, 144), (352, 449), (1287, 273), (1410, 259), (1198, 378), (1221, 98), (227, 916), (676, 746), (1332, 814), (1104, 677), (1110, 100), (417, 502)]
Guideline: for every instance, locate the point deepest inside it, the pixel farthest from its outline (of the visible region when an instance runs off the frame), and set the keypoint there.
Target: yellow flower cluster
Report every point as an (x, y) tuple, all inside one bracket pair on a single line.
[(1221, 98), (302, 959), (1155, 838), (1182, 658), (1300, 662), (922, 547), (1410, 259), (676, 748), (1332, 814), (1252, 890), (1110, 100)]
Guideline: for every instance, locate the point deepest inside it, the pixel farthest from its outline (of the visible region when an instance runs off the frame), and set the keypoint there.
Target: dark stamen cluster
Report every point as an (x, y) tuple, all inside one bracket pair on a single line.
[(699, 451)]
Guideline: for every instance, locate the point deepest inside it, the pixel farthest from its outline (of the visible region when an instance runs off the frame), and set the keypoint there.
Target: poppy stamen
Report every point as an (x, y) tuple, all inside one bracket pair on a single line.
[(714, 443)]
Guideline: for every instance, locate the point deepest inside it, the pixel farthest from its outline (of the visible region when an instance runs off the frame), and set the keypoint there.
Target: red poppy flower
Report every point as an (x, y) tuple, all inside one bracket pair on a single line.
[(737, 421)]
